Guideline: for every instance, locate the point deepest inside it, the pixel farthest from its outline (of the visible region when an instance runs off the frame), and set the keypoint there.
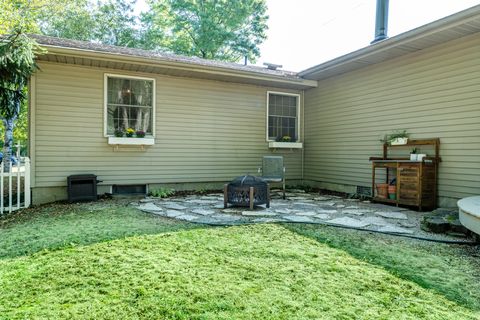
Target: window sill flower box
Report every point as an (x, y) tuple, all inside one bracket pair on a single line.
[(285, 145), (147, 141)]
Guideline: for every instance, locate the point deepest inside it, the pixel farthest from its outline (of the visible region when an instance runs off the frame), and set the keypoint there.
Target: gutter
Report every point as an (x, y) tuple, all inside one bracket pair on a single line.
[(451, 21), (156, 62)]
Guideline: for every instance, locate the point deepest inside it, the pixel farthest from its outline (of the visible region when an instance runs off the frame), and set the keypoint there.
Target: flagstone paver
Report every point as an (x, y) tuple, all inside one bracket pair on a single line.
[(202, 201), (203, 212), (357, 212), (306, 213), (174, 206), (304, 204), (322, 198), (149, 207), (392, 215), (298, 218), (407, 224), (283, 211), (327, 211), (377, 221), (395, 229), (187, 217), (297, 207), (258, 213), (267, 220), (298, 198), (173, 213), (348, 222), (322, 216), (226, 217)]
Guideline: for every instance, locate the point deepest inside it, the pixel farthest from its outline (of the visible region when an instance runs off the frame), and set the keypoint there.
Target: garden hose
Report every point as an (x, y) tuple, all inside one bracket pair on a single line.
[(470, 243)]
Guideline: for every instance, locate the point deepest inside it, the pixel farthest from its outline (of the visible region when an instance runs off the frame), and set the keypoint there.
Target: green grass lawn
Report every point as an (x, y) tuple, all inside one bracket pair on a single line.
[(108, 261)]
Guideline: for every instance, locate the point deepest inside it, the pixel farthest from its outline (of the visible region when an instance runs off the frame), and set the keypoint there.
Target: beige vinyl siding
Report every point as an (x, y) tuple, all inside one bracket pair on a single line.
[(206, 131), (431, 93)]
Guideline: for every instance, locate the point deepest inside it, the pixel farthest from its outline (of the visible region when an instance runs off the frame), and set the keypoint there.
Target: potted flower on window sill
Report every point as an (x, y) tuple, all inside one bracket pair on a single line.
[(130, 137), (119, 133), (285, 139), (285, 142), (130, 132)]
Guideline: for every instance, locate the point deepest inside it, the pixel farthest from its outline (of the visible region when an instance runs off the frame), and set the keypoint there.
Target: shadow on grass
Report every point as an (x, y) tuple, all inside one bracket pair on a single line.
[(451, 270), (61, 225)]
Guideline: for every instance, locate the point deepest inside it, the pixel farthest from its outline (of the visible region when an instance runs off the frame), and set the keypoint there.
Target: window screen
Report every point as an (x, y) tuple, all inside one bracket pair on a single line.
[(129, 104), (282, 116)]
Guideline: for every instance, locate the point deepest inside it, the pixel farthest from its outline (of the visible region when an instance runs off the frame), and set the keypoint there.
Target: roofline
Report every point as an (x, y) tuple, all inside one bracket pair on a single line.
[(403, 38), (158, 61)]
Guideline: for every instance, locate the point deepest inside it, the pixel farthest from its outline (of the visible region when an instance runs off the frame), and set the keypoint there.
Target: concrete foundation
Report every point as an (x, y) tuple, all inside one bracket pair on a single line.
[(331, 186), (48, 194), (41, 195)]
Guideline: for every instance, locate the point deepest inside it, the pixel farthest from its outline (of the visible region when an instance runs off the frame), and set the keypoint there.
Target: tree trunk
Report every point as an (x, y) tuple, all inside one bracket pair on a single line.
[(8, 124)]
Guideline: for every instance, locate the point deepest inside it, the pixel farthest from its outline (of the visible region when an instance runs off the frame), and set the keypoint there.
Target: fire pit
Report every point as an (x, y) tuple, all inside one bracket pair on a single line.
[(246, 191)]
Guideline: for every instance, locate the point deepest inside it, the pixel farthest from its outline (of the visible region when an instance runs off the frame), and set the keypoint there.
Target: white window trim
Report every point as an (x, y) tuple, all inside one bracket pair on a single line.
[(298, 112), (105, 99)]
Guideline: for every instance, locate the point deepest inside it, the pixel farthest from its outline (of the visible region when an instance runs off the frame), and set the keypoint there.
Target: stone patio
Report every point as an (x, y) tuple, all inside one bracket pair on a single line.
[(299, 207)]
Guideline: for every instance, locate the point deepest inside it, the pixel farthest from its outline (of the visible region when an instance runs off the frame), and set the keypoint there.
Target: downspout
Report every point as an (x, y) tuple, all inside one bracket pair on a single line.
[(31, 146), (303, 135)]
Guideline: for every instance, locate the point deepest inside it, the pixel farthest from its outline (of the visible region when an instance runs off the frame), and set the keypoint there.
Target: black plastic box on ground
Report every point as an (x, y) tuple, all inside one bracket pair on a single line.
[(82, 187)]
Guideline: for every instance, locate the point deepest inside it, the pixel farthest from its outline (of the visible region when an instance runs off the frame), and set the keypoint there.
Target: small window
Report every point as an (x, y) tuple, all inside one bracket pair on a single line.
[(130, 103), (283, 116)]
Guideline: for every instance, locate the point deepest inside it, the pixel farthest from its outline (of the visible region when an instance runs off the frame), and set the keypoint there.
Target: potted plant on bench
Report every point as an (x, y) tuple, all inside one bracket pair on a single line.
[(396, 138)]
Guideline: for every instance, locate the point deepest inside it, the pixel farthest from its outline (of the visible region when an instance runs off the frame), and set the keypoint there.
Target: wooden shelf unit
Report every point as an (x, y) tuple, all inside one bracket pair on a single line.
[(416, 181)]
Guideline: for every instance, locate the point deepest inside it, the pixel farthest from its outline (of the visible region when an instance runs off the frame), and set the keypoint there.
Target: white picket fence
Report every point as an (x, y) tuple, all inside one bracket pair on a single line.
[(12, 182)]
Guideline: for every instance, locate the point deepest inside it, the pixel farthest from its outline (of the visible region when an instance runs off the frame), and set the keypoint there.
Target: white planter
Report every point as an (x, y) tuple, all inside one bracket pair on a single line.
[(148, 141), (417, 156), (399, 141), (420, 156), (285, 145)]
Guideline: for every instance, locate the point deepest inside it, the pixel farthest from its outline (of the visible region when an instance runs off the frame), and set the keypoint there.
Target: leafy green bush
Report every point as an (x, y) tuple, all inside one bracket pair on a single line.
[(161, 193)]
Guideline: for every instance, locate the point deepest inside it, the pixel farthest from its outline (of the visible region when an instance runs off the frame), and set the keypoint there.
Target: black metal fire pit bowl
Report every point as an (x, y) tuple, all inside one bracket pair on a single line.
[(246, 191)]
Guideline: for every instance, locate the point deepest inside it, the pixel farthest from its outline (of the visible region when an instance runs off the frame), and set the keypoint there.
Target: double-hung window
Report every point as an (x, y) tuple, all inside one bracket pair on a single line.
[(130, 103), (283, 116)]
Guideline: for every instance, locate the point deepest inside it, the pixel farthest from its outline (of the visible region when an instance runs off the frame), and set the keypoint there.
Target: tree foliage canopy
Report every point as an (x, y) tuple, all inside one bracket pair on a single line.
[(17, 64), (211, 29), (108, 22), (27, 15)]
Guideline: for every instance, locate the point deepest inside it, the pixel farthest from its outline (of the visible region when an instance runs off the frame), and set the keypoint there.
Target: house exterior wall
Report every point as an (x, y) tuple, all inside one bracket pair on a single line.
[(206, 132), (431, 93)]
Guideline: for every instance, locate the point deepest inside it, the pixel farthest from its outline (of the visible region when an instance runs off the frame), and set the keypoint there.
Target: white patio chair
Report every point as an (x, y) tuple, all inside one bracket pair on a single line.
[(273, 170)]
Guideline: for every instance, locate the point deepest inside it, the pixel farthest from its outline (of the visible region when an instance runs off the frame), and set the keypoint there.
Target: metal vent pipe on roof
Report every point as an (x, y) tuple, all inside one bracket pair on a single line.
[(381, 21), (272, 66)]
